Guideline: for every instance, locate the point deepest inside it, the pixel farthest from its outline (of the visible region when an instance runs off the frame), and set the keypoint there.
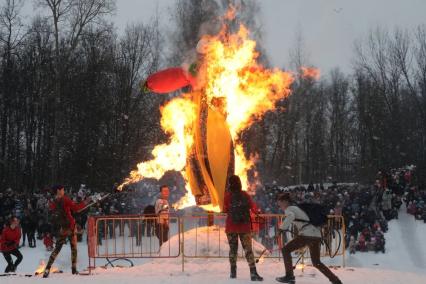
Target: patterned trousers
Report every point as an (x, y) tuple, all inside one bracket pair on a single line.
[(60, 241), (245, 239)]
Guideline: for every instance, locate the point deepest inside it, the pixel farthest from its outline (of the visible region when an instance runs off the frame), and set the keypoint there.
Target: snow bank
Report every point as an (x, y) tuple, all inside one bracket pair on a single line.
[(205, 242)]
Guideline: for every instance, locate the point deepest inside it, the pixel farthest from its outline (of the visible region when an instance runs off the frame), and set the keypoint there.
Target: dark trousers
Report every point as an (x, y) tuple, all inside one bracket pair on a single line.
[(246, 242), (314, 245), (31, 238), (24, 235), (60, 241), (162, 233), (11, 267)]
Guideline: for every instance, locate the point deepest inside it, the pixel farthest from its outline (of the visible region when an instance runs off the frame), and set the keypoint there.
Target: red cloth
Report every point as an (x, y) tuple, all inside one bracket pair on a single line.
[(407, 177), (230, 226), (10, 239), (48, 241), (169, 80), (69, 207)]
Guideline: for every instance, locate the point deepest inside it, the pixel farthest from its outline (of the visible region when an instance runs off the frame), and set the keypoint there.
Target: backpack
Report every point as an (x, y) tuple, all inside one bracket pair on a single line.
[(317, 214), (58, 217), (239, 208)]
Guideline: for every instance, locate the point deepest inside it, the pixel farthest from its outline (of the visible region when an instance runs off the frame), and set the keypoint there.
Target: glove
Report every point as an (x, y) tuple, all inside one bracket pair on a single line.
[(87, 200)]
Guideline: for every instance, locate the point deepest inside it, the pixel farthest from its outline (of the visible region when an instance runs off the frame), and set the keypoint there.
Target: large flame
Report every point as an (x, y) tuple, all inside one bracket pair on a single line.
[(233, 81), (176, 120), (232, 72)]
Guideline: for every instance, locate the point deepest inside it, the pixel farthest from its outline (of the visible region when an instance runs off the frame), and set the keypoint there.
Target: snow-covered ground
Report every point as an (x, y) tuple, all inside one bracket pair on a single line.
[(403, 262)]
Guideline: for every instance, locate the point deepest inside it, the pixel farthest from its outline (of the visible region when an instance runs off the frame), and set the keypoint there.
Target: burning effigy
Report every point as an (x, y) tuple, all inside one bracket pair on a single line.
[(229, 90)]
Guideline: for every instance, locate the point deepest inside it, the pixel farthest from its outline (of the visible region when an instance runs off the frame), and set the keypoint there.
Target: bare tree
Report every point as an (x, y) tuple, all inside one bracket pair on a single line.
[(76, 16)]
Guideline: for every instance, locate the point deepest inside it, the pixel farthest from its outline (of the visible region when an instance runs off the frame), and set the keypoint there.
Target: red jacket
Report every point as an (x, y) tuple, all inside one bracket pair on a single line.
[(10, 239), (48, 241), (230, 226), (69, 207)]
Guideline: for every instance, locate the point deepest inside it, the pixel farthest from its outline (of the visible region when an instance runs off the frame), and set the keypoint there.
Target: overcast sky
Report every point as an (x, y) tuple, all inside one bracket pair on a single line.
[(329, 27)]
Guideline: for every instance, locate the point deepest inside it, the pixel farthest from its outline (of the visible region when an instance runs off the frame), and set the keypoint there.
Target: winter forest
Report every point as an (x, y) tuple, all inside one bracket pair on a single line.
[(72, 110)]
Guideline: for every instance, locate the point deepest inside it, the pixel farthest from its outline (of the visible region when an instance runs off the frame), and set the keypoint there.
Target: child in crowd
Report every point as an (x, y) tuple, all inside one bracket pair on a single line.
[(48, 241)]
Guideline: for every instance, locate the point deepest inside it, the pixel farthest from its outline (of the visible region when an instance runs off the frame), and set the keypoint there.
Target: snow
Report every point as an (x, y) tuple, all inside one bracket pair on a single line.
[(206, 242), (405, 250), (403, 262)]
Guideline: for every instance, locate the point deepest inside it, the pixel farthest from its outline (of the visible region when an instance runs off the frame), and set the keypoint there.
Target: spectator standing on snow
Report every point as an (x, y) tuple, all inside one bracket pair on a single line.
[(62, 208), (162, 210), (237, 205), (387, 203), (24, 226), (9, 244), (31, 229), (309, 235)]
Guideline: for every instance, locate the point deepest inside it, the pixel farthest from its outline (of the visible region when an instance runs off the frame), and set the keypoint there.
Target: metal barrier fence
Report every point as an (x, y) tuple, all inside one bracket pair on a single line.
[(198, 236), (202, 241), (132, 236)]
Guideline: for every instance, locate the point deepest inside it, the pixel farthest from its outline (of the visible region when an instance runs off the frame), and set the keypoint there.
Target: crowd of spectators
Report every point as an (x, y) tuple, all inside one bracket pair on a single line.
[(33, 213), (366, 210)]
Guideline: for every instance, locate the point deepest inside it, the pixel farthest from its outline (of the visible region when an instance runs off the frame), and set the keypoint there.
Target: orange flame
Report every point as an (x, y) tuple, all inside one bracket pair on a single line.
[(310, 73), (230, 14), (42, 266), (233, 81), (177, 118), (250, 90)]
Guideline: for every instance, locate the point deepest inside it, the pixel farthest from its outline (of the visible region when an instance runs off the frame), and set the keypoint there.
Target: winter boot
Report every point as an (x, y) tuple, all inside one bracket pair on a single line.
[(74, 271), (8, 269), (46, 273), (287, 279), (254, 276), (233, 272)]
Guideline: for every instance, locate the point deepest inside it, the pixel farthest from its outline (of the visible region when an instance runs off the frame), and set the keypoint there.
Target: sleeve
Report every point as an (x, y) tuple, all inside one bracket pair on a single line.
[(157, 206), (253, 206), (52, 205), (2, 236), (169, 80), (75, 207), (290, 216)]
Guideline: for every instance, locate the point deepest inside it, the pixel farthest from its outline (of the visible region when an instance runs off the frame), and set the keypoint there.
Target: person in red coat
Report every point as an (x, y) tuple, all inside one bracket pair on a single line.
[(9, 244), (62, 208), (238, 204)]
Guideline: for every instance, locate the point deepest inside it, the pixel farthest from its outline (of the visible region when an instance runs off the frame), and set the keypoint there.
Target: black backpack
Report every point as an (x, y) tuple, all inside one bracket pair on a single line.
[(58, 217), (239, 208), (317, 213)]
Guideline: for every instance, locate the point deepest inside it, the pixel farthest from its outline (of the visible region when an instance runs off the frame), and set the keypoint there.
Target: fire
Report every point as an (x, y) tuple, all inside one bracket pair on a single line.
[(300, 266), (42, 266), (177, 118), (310, 72), (234, 84), (250, 90)]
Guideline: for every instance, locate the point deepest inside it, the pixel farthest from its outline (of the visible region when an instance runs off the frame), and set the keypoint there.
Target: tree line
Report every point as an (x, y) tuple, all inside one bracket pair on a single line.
[(71, 110)]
